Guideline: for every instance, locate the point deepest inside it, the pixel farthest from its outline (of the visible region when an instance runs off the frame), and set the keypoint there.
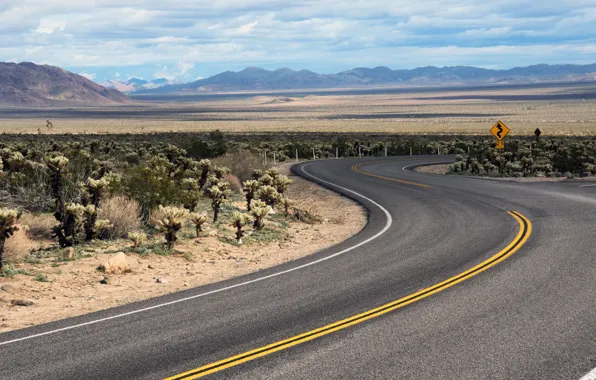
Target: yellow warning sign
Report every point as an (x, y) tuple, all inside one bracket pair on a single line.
[(500, 144), (499, 130)]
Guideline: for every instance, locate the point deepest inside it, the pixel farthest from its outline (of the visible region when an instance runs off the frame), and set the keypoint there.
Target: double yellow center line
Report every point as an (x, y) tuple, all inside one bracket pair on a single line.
[(525, 230)]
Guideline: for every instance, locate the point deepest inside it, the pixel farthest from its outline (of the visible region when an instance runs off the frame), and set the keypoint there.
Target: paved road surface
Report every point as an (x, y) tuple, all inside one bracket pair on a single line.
[(531, 316)]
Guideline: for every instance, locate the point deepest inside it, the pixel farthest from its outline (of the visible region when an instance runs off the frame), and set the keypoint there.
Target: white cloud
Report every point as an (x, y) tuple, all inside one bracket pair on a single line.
[(88, 76), (247, 28), (49, 26)]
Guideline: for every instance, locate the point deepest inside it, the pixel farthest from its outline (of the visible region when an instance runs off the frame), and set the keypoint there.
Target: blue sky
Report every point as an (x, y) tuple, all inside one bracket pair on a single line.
[(190, 39)]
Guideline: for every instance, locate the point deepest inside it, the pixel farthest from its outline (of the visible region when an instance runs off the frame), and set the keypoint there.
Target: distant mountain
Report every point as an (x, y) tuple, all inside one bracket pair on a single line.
[(254, 78), (135, 84), (28, 84)]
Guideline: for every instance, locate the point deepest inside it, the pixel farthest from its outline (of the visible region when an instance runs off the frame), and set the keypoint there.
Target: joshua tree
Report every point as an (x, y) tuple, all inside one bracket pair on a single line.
[(58, 168), (239, 220), (8, 221), (269, 195), (250, 188), (68, 231), (137, 238), (281, 183), (259, 210), (198, 220), (169, 221), (191, 193), (205, 167), (218, 198)]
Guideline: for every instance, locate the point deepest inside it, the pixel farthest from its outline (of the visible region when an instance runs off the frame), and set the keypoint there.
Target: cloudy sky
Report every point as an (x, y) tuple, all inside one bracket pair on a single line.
[(189, 39)]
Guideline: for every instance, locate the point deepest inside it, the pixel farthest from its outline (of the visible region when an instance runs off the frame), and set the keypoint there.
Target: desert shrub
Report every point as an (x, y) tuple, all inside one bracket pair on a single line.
[(123, 213), (170, 220), (241, 163), (190, 193), (306, 215), (39, 226), (151, 187), (234, 182)]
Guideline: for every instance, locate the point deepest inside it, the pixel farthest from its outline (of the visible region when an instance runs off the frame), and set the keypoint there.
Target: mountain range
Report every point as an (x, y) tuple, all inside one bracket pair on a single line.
[(136, 84), (254, 78), (28, 84)]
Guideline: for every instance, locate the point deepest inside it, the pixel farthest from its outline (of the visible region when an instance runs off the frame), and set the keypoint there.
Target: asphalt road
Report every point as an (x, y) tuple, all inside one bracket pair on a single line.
[(531, 316)]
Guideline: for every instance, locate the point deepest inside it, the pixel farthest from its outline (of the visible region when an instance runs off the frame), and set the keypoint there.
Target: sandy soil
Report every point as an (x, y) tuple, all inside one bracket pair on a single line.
[(74, 287)]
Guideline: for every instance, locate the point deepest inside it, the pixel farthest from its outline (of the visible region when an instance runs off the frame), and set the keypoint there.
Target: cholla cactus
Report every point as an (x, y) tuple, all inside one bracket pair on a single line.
[(286, 203), (266, 180), (239, 220), (170, 220), (259, 210), (1, 166), (281, 183), (198, 220), (256, 174), (221, 172), (58, 167), (205, 167), (96, 188), (8, 221), (269, 195), (250, 188), (91, 213), (102, 226), (137, 238), (273, 172), (191, 193), (219, 195), (68, 231)]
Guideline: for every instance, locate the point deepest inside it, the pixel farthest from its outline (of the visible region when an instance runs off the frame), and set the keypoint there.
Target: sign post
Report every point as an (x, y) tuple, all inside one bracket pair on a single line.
[(500, 130)]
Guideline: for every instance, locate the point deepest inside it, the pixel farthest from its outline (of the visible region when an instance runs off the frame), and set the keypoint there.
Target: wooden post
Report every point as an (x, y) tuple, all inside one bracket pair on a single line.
[(410, 151), (273, 157), (296, 155), (385, 151), (314, 157), (336, 152), (359, 152)]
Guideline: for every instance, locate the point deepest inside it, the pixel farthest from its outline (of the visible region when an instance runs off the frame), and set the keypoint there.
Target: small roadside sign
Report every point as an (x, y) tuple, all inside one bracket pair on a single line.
[(537, 133), (500, 130), (500, 144)]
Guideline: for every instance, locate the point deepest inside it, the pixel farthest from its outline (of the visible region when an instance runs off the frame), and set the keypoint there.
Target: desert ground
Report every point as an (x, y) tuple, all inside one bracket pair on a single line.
[(557, 109)]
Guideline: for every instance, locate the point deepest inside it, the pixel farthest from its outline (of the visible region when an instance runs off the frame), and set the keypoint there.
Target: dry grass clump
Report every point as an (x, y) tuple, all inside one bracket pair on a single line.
[(18, 246), (234, 182), (241, 163), (124, 213), (39, 226)]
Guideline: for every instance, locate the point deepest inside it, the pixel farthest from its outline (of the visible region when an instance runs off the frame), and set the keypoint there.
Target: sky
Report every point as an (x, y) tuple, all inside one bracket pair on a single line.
[(186, 40)]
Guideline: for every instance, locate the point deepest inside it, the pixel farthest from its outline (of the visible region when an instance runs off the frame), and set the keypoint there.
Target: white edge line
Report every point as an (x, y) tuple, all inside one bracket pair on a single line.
[(590, 375), (378, 234)]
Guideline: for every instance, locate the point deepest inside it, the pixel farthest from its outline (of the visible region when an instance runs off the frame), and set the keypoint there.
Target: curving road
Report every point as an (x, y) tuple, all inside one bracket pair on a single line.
[(516, 296)]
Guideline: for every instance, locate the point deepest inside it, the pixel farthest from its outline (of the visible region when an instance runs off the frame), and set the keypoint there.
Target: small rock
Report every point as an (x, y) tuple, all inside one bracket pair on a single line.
[(68, 253), (22, 302), (105, 281), (8, 288), (186, 284), (117, 263), (150, 266), (161, 281), (4, 325)]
